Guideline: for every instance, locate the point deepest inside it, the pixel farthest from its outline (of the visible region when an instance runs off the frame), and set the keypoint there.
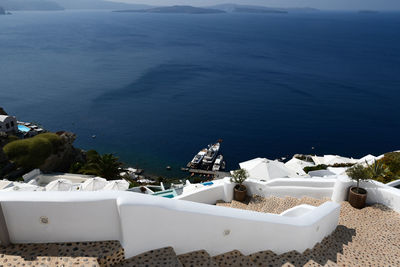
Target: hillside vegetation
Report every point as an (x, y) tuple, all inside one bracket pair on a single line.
[(32, 152)]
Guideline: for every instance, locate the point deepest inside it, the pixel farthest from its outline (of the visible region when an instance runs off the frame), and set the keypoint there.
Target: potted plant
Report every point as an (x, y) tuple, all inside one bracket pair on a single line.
[(358, 195), (240, 190)]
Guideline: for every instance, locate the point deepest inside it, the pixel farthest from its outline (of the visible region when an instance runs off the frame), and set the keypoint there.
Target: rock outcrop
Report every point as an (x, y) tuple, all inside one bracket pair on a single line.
[(66, 155), (2, 111)]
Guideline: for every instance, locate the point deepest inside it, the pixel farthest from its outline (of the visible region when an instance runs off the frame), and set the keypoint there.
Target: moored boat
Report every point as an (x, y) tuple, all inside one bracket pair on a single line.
[(211, 154), (197, 159)]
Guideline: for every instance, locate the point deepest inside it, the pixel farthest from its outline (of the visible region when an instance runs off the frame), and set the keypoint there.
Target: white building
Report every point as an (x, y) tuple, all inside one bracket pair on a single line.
[(8, 124)]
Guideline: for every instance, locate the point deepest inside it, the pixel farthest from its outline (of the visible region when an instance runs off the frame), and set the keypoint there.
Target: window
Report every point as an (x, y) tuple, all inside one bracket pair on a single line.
[(12, 123), (7, 126)]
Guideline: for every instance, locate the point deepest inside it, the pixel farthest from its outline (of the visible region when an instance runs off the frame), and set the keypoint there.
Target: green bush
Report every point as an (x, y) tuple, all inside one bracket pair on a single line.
[(12, 138), (315, 168), (75, 167), (359, 173), (92, 156), (338, 165), (239, 176), (392, 162), (32, 152)]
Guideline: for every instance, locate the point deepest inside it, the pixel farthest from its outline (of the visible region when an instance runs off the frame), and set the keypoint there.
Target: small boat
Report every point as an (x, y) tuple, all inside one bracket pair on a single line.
[(212, 153), (218, 163)]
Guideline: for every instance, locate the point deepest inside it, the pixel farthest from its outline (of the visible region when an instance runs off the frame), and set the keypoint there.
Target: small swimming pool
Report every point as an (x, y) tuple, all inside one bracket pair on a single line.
[(23, 128), (171, 193)]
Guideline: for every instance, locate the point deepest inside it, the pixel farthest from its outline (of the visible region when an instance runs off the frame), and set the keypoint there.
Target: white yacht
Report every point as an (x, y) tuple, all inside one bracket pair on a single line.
[(197, 159), (212, 153)]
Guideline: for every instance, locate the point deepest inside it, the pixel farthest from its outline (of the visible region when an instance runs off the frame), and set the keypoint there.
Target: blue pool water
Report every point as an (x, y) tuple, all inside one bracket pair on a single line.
[(167, 193), (156, 88), (23, 128)]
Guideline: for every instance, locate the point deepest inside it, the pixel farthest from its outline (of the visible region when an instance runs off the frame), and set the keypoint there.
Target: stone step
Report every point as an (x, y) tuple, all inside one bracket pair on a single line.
[(197, 258), (238, 205), (223, 203), (157, 257), (105, 253), (233, 258)]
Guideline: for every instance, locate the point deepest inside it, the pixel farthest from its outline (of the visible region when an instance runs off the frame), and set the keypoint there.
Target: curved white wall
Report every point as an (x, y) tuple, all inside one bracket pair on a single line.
[(185, 225), (71, 216), (190, 226)]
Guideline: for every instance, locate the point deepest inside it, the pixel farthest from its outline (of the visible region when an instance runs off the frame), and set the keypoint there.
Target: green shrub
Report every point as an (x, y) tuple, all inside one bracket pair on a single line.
[(392, 162), (342, 165), (239, 176), (359, 173), (315, 168), (376, 171), (12, 138), (32, 152), (75, 167), (92, 156)]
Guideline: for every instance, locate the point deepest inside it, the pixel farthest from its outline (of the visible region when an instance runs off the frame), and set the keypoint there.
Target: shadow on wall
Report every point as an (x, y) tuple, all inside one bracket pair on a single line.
[(326, 250)]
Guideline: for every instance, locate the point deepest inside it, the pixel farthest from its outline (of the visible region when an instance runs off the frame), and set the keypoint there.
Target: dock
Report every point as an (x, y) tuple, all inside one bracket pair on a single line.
[(215, 174)]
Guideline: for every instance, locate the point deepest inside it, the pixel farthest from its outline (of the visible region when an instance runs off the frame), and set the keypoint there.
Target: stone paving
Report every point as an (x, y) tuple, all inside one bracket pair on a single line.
[(104, 253), (366, 237)]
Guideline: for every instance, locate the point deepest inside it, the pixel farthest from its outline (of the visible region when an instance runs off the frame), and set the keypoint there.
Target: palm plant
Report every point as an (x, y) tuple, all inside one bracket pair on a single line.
[(106, 166)]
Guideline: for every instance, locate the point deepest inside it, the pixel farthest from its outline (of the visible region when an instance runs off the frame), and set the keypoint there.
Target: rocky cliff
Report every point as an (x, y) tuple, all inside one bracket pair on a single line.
[(65, 155), (2, 111)]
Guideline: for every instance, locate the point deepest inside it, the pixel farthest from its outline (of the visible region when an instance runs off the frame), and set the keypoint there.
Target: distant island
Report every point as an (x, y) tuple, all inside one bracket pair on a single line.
[(257, 10), (177, 9), (235, 8), (54, 5)]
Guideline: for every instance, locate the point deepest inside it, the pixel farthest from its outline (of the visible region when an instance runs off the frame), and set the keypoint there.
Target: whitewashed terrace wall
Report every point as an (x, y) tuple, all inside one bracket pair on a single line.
[(335, 188), (142, 222), (294, 187), (377, 192)]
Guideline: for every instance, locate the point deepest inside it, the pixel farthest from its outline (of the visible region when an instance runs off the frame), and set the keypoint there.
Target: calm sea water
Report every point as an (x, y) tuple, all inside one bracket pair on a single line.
[(157, 88)]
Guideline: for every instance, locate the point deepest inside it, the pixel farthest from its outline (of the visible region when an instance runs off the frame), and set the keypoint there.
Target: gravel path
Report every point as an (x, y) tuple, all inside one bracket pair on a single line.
[(367, 237)]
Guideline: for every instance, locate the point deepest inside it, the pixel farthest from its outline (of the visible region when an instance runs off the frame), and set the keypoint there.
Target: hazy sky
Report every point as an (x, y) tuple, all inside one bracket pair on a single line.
[(321, 4)]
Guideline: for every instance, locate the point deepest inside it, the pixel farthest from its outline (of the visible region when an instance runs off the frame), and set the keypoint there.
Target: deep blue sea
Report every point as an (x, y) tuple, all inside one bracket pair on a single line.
[(156, 88)]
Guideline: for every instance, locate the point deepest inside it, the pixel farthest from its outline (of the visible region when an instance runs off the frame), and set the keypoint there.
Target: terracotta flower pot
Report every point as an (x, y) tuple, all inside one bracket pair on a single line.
[(357, 198), (240, 193)]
